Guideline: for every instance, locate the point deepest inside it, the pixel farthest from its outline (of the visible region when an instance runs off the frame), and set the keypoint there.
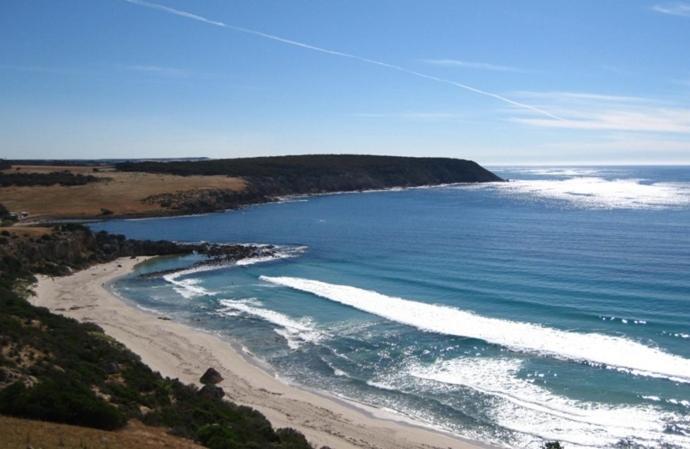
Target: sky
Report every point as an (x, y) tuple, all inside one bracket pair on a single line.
[(496, 81)]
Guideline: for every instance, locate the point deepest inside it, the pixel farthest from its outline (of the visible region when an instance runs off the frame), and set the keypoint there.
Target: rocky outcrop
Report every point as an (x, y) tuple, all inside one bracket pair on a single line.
[(73, 247), (211, 390), (211, 377)]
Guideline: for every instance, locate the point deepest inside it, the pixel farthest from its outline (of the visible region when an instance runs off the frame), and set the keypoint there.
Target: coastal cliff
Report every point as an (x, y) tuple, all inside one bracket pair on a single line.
[(47, 190), (270, 177)]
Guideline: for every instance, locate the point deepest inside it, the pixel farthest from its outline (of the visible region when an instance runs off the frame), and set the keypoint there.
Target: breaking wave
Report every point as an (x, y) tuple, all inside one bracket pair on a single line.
[(594, 348), (283, 252), (295, 331), (190, 288), (523, 406)]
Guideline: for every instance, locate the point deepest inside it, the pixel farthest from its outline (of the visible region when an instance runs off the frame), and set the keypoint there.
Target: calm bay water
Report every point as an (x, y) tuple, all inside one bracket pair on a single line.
[(556, 306)]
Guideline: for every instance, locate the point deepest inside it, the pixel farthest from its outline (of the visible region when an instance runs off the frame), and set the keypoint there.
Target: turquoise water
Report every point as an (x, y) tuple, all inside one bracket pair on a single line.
[(556, 306)]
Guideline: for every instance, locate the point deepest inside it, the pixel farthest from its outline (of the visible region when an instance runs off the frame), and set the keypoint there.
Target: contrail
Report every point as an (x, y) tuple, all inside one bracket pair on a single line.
[(189, 15)]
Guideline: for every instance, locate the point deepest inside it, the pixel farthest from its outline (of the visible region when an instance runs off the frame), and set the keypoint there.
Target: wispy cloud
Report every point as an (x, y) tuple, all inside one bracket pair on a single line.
[(599, 112), (674, 9), (192, 16), (159, 70), (473, 65), (562, 96), (414, 116)]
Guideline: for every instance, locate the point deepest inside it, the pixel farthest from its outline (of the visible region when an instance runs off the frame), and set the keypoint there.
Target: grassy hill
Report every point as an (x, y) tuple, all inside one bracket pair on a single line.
[(270, 177), (49, 189)]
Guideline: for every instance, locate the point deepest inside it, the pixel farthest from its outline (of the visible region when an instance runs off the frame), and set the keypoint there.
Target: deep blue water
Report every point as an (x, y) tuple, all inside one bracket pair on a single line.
[(556, 306)]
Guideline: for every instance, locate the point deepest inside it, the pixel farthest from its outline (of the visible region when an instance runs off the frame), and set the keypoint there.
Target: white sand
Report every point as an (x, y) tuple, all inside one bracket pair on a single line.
[(179, 351)]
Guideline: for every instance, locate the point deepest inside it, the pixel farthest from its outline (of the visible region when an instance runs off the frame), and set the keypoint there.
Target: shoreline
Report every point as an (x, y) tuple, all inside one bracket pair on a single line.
[(179, 351), (280, 199)]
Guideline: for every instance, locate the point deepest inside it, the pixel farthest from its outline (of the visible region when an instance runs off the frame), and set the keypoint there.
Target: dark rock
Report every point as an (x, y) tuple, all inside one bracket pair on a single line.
[(212, 392), (211, 377)]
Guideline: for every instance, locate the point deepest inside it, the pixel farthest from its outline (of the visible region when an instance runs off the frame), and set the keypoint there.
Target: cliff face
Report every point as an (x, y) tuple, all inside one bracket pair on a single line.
[(323, 173), (270, 177)]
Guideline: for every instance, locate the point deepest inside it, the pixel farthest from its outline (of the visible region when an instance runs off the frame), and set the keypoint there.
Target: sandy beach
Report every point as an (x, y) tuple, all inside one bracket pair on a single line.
[(179, 351)]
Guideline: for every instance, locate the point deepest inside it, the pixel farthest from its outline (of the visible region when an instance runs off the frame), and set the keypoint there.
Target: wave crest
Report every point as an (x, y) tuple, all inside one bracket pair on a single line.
[(295, 331), (600, 349)]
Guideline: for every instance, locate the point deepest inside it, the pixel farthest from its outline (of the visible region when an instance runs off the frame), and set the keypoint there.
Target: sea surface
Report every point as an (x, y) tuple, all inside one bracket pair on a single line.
[(552, 307)]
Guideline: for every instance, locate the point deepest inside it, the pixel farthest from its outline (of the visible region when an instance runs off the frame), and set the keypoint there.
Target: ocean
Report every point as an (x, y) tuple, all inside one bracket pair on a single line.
[(552, 307)]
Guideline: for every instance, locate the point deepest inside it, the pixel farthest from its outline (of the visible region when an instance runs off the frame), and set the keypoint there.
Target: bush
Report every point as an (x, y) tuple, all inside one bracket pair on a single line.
[(59, 400), (63, 178), (215, 436), (70, 361), (291, 439)]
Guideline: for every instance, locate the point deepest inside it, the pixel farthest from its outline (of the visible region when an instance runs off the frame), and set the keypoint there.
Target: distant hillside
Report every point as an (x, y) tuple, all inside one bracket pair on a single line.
[(325, 173), (271, 177), (52, 190)]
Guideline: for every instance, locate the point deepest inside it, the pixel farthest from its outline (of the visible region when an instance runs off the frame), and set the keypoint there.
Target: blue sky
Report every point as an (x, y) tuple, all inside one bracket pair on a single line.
[(497, 81)]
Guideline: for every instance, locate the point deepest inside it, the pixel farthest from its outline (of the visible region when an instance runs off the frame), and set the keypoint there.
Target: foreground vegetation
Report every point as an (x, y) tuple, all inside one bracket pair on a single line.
[(56, 369)]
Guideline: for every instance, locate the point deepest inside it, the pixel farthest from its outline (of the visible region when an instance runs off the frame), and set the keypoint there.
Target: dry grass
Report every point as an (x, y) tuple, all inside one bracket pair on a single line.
[(28, 231), (121, 192), (23, 433)]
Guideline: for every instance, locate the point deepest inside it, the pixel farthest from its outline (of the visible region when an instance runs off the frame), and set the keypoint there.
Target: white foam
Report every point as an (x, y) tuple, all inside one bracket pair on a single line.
[(594, 348), (340, 373), (189, 288), (381, 385), (282, 253), (625, 320), (597, 193), (336, 371), (676, 334), (295, 331), (523, 406)]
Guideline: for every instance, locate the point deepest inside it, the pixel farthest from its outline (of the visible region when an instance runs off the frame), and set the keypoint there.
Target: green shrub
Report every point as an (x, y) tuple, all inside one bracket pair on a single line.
[(72, 360), (59, 400), (291, 439), (215, 436)]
